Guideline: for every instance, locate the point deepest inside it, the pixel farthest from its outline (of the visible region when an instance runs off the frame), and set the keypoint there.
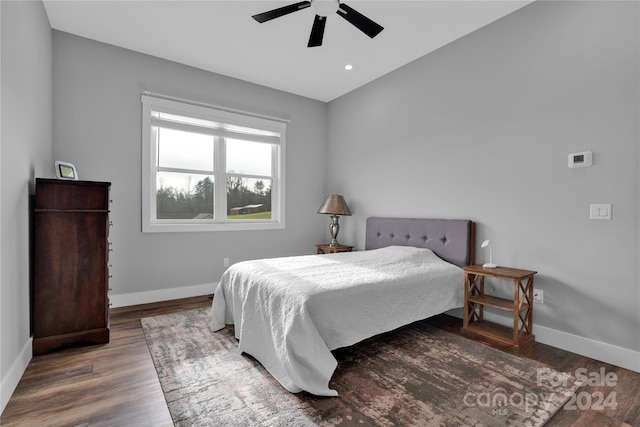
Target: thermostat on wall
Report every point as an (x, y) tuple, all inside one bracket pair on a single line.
[(580, 160)]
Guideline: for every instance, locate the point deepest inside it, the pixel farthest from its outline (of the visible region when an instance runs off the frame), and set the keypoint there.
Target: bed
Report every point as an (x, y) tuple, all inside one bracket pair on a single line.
[(291, 312)]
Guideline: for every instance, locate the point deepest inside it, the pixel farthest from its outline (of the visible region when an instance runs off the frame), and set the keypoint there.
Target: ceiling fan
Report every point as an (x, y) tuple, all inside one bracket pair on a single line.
[(324, 8)]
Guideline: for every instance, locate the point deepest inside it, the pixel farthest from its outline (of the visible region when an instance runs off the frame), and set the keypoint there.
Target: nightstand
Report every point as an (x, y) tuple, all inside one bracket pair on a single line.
[(328, 249), (520, 334)]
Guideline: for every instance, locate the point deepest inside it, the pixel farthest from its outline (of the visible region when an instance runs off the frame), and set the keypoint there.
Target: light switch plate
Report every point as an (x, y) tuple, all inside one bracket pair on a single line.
[(600, 211)]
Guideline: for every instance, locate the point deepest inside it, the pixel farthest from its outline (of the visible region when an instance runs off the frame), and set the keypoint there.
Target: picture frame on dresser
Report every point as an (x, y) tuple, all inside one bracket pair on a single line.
[(65, 170)]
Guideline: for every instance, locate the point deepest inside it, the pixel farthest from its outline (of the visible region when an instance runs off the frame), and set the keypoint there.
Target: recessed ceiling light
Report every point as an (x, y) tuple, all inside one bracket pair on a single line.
[(348, 67)]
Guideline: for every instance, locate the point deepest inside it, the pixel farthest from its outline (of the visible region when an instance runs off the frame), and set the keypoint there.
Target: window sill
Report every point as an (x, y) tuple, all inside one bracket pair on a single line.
[(228, 226)]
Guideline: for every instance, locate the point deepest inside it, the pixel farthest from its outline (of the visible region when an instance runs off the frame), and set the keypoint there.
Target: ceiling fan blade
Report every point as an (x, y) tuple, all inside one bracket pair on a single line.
[(277, 13), (317, 31), (360, 21)]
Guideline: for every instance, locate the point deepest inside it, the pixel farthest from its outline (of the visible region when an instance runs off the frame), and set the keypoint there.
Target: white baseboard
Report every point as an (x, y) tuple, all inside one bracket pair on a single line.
[(598, 350), (135, 298), (12, 378), (608, 353)]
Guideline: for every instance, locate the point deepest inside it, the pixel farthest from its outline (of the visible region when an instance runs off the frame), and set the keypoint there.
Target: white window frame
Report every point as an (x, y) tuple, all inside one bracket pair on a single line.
[(150, 224)]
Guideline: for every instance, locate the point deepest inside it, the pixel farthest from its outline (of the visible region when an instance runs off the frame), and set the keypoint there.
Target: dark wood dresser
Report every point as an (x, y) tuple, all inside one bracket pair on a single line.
[(70, 262)]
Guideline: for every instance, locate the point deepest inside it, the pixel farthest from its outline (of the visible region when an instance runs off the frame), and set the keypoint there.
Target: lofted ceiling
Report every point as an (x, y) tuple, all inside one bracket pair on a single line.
[(220, 36)]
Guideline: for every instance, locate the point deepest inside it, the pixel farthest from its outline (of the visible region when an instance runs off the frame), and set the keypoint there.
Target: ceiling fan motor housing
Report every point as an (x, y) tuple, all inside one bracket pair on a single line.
[(325, 7)]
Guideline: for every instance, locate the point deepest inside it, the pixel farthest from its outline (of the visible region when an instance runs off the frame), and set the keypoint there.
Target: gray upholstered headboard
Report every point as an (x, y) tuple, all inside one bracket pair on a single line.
[(451, 239)]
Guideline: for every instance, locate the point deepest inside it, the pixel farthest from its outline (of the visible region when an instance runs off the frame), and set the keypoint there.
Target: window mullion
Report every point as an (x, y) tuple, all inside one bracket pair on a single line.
[(220, 196), (153, 181), (275, 184)]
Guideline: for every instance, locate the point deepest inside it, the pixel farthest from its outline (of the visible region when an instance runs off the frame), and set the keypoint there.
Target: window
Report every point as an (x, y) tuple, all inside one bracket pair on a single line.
[(208, 170)]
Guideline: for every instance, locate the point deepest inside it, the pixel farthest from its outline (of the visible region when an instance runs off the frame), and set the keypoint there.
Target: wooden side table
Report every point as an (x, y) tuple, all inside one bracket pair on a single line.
[(520, 335), (328, 249)]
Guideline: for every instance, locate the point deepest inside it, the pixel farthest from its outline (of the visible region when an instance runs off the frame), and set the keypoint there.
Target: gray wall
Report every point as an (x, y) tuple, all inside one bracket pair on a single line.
[(97, 126), (25, 144), (481, 129)]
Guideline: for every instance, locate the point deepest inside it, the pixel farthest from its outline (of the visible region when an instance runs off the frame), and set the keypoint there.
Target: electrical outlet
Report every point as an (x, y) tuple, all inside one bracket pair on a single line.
[(225, 262), (538, 296)]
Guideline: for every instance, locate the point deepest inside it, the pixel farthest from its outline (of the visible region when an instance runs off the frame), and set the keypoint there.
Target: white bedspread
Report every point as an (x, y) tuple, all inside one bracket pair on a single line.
[(289, 313)]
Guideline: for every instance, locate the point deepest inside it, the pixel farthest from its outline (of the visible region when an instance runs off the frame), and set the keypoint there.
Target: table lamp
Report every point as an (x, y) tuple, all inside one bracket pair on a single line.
[(489, 264), (334, 206)]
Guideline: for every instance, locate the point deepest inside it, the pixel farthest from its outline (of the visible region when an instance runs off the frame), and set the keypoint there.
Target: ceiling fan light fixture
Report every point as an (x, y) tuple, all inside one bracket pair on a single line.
[(348, 67), (325, 7)]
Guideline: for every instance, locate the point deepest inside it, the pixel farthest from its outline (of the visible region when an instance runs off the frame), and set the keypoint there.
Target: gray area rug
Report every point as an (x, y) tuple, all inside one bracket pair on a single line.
[(417, 375)]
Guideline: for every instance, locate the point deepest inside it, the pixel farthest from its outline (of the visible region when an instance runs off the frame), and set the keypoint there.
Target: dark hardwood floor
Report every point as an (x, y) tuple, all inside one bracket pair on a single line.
[(113, 384), (116, 384), (626, 391)]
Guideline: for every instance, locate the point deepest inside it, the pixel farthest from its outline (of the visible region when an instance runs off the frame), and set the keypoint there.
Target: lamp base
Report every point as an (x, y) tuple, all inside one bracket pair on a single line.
[(489, 265), (334, 227)]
